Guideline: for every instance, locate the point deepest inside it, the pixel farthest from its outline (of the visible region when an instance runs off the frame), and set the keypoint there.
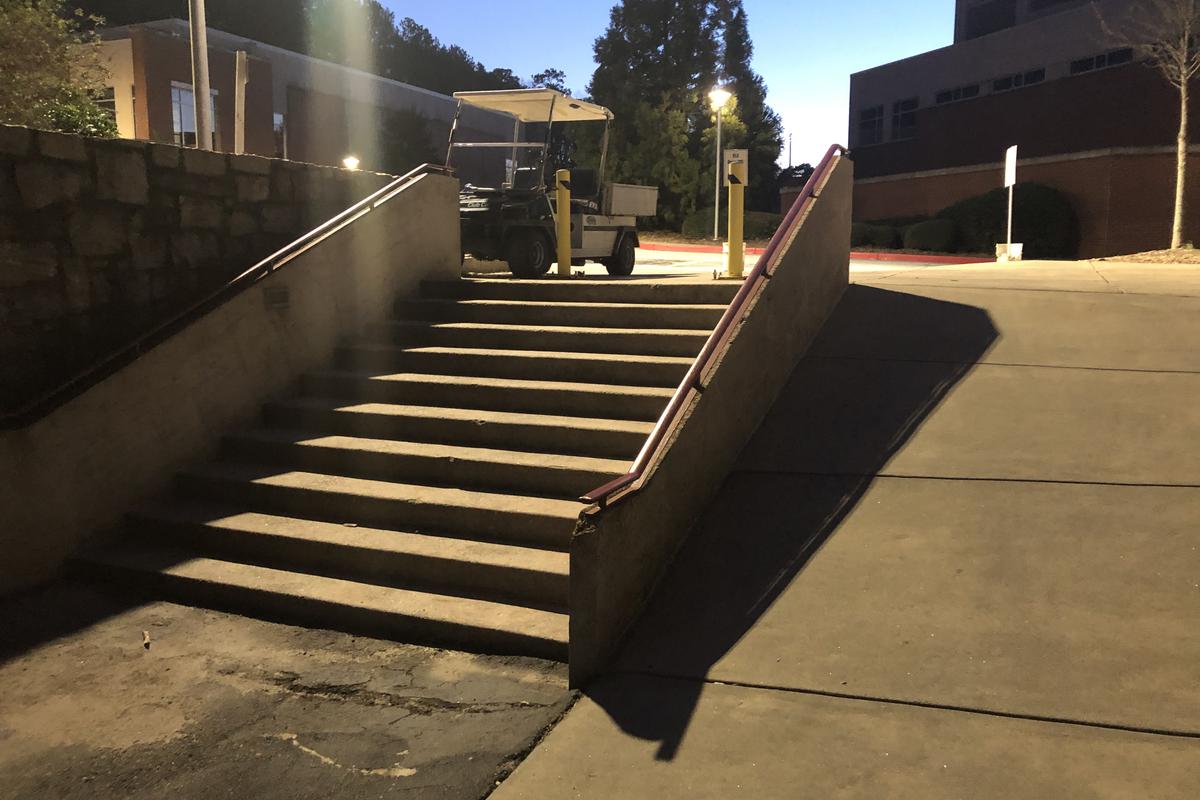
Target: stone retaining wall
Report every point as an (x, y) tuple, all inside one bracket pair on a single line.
[(101, 238)]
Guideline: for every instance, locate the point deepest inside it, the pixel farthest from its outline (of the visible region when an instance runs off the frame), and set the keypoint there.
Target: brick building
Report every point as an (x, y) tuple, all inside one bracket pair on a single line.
[(1090, 119), (297, 107)]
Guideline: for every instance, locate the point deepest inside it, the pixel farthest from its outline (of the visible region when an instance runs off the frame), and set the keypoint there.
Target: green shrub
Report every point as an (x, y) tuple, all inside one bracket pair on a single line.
[(868, 234), (1043, 219), (757, 224), (935, 235)]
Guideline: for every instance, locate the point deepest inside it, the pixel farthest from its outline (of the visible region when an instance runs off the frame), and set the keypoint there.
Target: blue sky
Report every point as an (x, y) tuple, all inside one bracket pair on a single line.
[(804, 49)]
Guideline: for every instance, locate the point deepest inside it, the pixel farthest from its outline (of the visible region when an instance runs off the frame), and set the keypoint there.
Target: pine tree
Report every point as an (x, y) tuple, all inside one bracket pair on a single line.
[(665, 56)]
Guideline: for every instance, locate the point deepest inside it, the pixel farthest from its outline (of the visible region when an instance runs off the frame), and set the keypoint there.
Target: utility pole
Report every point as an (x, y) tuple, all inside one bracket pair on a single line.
[(789, 151), (201, 91)]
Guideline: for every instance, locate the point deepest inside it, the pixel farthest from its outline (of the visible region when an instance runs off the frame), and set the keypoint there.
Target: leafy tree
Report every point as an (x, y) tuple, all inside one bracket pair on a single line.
[(51, 69), (1167, 34), (658, 155)]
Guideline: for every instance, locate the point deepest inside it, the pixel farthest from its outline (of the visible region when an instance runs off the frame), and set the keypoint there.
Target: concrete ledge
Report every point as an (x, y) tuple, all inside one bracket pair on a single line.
[(78, 469), (618, 554)]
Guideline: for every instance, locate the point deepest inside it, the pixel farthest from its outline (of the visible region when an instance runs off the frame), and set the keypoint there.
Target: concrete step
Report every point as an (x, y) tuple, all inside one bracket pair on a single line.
[(625, 341), (592, 315), (542, 433), (313, 600), (627, 370), (584, 291), (543, 474), (386, 557), (488, 516), (563, 398)]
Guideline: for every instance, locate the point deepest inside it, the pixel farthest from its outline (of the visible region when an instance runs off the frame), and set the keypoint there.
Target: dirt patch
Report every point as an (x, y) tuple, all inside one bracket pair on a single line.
[(1180, 256), (225, 706)]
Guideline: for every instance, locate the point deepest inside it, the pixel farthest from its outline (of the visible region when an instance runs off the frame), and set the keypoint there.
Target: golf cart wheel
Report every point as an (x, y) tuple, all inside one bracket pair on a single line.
[(621, 262), (528, 254)]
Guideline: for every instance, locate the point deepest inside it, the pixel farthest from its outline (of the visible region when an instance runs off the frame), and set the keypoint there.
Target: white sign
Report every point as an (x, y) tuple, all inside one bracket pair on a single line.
[(1010, 167), (735, 157)]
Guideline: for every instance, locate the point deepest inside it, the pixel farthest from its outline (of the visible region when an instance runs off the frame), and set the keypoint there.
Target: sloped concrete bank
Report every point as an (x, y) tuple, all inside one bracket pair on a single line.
[(77, 469), (619, 552)]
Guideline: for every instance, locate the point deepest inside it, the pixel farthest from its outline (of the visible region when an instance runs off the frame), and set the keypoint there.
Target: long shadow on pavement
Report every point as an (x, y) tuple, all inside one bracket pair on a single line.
[(850, 405)]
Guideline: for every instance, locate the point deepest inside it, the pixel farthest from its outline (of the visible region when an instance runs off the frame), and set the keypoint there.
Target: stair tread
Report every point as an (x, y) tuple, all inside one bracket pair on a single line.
[(493, 326), (285, 478), (484, 302), (398, 447), (385, 347), (469, 414), (239, 520), (428, 606), (498, 383)]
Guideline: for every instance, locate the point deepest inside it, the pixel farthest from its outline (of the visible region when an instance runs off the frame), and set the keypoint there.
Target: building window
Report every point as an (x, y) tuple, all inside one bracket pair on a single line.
[(904, 119), (183, 115), (1114, 58), (280, 128), (107, 99), (870, 126), (1018, 80), (957, 93)]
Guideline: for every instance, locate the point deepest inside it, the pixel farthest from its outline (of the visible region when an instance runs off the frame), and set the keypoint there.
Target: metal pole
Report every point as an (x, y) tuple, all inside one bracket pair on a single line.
[(512, 173), (453, 129), (201, 88), (717, 190), (1008, 249), (240, 78)]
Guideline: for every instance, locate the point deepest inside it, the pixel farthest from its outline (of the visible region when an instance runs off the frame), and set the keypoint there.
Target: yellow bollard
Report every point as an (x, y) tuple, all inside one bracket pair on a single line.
[(562, 186), (737, 211)]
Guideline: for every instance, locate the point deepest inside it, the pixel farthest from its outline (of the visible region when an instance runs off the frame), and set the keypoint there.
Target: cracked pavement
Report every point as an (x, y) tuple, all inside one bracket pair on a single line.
[(220, 705)]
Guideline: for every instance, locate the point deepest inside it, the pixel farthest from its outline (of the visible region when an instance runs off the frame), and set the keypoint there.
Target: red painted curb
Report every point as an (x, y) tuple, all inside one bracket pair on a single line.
[(696, 248), (918, 258), (900, 258)]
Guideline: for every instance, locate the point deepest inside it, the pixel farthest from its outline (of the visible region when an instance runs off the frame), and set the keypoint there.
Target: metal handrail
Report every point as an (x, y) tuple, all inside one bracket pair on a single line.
[(114, 360), (654, 447)]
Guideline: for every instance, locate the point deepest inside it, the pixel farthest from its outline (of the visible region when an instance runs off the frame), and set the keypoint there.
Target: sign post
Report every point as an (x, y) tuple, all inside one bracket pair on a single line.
[(1010, 181), (736, 177)]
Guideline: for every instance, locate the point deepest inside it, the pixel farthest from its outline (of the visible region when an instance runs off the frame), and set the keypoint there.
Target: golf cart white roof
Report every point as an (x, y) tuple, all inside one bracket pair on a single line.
[(534, 105)]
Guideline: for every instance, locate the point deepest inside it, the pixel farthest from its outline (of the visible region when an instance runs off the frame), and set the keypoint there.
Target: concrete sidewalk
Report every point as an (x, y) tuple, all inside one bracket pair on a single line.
[(961, 559)]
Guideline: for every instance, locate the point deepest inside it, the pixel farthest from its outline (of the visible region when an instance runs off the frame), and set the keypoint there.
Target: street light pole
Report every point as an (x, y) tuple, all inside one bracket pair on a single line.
[(717, 189), (201, 91), (718, 97)]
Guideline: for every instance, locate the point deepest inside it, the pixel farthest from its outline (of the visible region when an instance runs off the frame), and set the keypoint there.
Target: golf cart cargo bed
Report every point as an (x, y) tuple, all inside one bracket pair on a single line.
[(627, 200)]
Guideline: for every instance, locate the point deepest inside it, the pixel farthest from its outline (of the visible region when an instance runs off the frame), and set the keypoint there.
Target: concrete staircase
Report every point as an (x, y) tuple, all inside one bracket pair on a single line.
[(424, 487)]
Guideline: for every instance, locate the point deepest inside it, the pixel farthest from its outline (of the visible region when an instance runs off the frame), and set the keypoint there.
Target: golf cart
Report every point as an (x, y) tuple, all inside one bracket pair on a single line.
[(514, 219)]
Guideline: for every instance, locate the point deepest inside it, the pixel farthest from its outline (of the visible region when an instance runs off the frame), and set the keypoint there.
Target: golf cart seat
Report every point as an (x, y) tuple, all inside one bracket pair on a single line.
[(526, 178)]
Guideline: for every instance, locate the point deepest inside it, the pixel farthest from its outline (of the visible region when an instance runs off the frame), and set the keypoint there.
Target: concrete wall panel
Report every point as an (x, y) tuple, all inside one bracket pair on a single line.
[(77, 470), (619, 553)]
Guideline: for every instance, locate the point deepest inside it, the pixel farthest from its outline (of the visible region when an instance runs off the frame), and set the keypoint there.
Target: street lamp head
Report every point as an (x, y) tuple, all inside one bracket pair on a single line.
[(719, 97)]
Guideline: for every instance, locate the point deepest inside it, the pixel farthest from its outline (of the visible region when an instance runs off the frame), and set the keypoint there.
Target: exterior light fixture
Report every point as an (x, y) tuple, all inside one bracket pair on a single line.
[(350, 162), (719, 96)]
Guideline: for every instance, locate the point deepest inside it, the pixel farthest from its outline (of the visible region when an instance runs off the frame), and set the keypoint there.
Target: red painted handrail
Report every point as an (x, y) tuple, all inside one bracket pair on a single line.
[(110, 363), (652, 450)]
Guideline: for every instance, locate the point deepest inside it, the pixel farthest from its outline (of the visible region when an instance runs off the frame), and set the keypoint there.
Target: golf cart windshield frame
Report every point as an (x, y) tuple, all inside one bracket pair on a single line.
[(477, 99)]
